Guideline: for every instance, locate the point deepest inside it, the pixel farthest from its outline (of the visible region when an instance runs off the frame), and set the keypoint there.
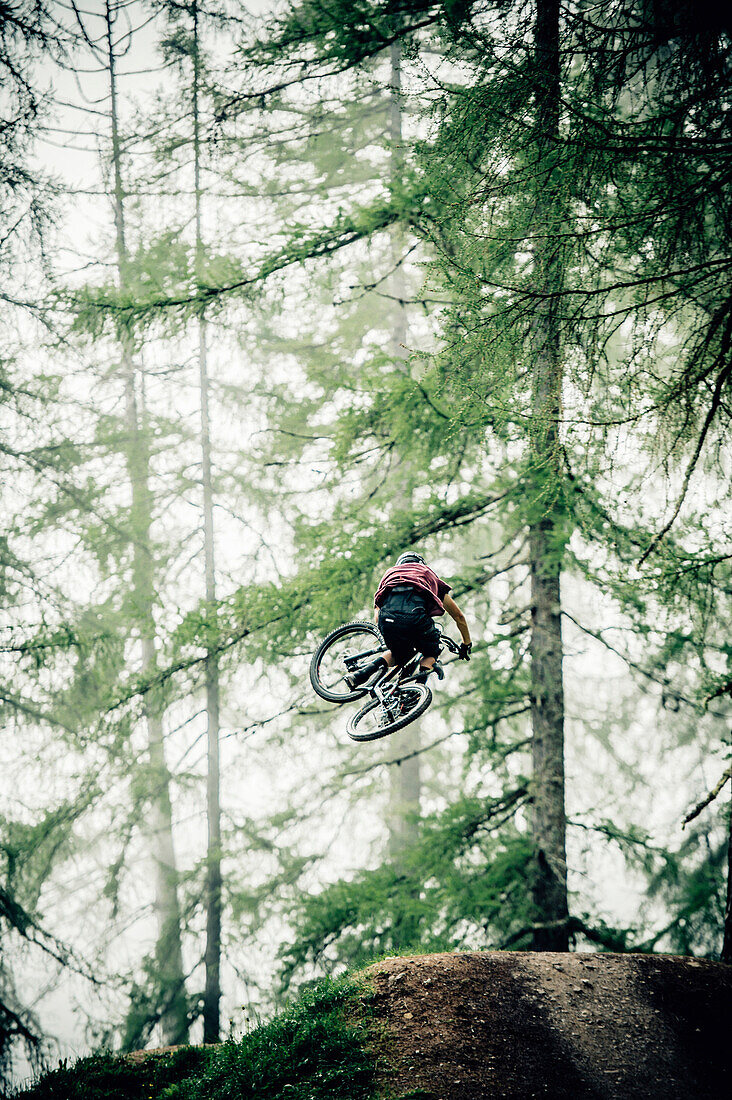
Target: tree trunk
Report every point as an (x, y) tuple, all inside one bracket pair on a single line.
[(405, 779), (173, 1011), (405, 783), (726, 955), (212, 991), (546, 531)]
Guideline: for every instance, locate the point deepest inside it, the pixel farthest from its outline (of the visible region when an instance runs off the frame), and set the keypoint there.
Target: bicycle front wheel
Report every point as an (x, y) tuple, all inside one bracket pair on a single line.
[(344, 651), (379, 719)]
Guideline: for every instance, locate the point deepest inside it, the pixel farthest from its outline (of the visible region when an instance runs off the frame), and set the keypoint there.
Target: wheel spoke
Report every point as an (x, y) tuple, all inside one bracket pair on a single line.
[(377, 719), (342, 655), (345, 655)]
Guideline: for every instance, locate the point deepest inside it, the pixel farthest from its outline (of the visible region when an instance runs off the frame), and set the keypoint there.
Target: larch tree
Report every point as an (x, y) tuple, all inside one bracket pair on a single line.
[(405, 777), (513, 189), (346, 40), (36, 629), (550, 154), (184, 47), (213, 903), (170, 1007), (547, 524)]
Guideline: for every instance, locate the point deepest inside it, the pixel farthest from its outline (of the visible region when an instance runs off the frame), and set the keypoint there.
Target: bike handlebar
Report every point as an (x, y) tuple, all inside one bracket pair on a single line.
[(449, 644)]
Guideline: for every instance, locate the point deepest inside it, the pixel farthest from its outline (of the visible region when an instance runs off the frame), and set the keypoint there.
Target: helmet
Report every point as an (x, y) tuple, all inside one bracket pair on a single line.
[(410, 558)]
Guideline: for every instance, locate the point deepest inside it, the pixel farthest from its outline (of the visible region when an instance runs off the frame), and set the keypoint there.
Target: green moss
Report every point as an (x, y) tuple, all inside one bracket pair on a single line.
[(313, 1051), (111, 1077)]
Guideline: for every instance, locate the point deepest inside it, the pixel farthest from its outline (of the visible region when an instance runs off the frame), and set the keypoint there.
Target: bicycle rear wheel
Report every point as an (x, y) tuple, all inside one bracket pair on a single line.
[(344, 651), (377, 720)]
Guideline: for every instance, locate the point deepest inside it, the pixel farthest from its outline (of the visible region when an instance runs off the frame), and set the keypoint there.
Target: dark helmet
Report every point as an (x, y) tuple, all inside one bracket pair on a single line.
[(410, 558)]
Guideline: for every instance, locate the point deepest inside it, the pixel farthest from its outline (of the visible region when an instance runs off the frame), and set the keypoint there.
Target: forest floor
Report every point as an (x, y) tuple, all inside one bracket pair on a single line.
[(457, 1026), (521, 1024)]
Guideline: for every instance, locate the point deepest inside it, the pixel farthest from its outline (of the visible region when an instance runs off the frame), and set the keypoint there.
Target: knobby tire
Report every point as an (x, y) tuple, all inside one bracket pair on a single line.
[(396, 724), (365, 636)]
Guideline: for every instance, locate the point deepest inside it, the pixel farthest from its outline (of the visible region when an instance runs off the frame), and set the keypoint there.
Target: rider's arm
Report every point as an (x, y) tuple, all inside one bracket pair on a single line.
[(455, 613)]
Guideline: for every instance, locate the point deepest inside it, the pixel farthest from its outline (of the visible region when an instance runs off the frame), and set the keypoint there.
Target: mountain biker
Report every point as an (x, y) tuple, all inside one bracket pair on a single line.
[(409, 597)]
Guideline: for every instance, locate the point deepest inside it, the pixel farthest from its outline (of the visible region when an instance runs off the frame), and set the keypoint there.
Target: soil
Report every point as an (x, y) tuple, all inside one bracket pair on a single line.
[(522, 1024)]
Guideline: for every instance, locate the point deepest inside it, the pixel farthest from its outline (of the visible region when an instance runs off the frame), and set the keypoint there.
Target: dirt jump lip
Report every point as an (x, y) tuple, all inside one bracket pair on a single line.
[(469, 1026)]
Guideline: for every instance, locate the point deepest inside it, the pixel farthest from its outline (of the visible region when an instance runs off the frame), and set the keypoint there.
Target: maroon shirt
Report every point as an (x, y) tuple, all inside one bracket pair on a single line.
[(422, 578)]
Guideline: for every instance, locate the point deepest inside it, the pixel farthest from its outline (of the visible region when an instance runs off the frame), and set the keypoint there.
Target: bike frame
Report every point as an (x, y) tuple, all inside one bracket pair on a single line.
[(399, 674)]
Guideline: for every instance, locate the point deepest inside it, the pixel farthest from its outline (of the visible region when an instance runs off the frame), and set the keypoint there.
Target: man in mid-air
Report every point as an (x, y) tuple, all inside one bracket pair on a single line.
[(409, 598)]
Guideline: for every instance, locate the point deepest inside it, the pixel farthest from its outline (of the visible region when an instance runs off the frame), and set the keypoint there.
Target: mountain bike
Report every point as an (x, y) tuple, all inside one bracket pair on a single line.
[(395, 699)]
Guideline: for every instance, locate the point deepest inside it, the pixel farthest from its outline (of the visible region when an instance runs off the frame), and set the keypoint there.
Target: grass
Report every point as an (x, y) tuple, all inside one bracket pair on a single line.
[(312, 1051)]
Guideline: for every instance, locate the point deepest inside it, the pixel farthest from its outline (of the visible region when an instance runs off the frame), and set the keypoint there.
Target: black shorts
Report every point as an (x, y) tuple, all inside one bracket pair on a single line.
[(409, 632)]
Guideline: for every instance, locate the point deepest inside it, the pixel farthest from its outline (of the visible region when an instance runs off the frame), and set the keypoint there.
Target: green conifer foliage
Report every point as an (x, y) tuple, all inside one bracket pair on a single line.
[(500, 336), (479, 175)]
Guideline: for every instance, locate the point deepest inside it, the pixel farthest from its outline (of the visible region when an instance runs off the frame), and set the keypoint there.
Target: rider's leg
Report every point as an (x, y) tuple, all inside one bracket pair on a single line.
[(429, 646), (383, 661)]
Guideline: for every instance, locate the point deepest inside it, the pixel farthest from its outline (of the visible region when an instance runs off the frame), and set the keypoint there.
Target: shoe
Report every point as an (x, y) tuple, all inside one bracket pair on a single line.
[(359, 679), (424, 673)]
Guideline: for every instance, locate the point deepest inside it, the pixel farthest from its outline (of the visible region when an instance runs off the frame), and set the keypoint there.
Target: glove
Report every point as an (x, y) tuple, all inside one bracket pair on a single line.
[(464, 651)]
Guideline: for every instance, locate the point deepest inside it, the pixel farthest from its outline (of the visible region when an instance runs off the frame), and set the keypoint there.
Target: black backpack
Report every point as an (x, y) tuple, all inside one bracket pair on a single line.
[(404, 599)]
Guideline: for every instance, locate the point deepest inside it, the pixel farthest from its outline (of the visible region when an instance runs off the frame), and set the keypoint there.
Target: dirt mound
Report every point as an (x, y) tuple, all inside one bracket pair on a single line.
[(521, 1024)]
